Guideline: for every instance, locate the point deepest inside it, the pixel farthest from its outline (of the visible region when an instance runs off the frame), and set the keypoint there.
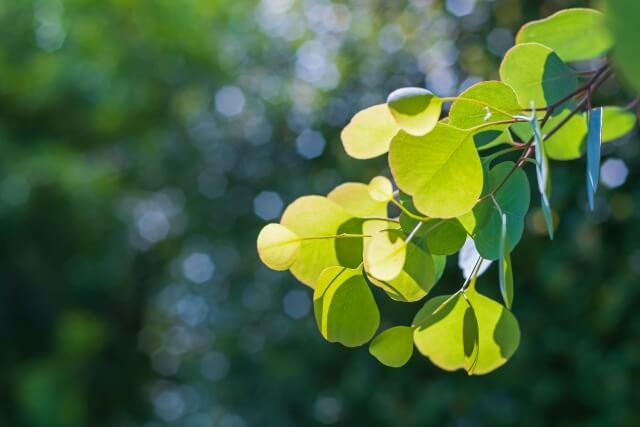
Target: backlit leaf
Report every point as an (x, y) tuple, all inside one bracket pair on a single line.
[(574, 34), (380, 189), (386, 253), (441, 170), (344, 307), (417, 276), (278, 246), (447, 337), (416, 110), (623, 17), (616, 123), (317, 216), (542, 174), (537, 74), (393, 347), (501, 101), (369, 132), (594, 143)]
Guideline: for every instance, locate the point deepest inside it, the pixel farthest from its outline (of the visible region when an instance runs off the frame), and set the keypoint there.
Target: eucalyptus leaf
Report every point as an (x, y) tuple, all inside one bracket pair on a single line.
[(386, 254), (623, 17), (380, 189), (278, 246), (369, 132), (616, 123), (542, 174), (393, 347), (537, 74), (574, 34), (441, 170), (344, 307), (446, 237), (594, 144), (484, 103), (505, 271), (416, 110)]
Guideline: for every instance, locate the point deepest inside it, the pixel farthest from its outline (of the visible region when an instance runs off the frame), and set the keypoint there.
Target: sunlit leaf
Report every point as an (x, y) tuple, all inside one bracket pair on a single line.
[(380, 189), (369, 132), (393, 347), (441, 170), (417, 276), (355, 198), (616, 123), (505, 272), (344, 307), (446, 237), (386, 254), (594, 144), (501, 104), (537, 74), (447, 337), (278, 247), (416, 110), (317, 216), (574, 34)]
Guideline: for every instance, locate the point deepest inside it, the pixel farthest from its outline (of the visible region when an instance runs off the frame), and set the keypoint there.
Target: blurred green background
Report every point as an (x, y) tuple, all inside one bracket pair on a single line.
[(145, 142)]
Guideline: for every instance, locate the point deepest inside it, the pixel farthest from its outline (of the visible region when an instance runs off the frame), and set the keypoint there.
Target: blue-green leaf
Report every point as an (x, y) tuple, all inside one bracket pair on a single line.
[(594, 142), (542, 173), (506, 273)]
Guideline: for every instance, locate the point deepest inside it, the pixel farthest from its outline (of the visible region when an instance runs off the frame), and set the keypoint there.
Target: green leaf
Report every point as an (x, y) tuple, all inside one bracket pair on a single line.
[(380, 189), (369, 132), (386, 254), (416, 110), (505, 272), (417, 276), (441, 170), (542, 174), (316, 216), (574, 34), (344, 307), (501, 104), (278, 247), (478, 336), (594, 144), (393, 347), (439, 264), (446, 237), (513, 198), (537, 74), (355, 198), (616, 123), (623, 17)]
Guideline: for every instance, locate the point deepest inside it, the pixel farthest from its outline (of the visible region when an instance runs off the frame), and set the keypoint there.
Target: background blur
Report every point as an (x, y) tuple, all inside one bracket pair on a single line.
[(144, 143)]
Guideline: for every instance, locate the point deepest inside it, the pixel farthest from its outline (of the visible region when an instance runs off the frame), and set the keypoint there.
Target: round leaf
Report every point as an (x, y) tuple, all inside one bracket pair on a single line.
[(441, 170), (344, 307), (317, 216), (415, 279), (536, 73), (501, 101), (616, 123), (278, 246), (369, 132), (416, 110), (446, 238), (386, 254), (393, 347), (574, 34), (623, 16), (380, 189)]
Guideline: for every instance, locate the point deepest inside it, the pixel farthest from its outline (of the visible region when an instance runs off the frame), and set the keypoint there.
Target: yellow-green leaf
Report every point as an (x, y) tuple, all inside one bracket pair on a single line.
[(380, 189), (393, 347), (416, 110), (537, 74), (344, 307), (369, 132), (278, 247), (574, 34), (386, 254), (483, 103), (440, 170)]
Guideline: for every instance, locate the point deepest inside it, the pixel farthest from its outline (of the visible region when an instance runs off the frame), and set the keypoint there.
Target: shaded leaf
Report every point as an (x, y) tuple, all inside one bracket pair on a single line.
[(344, 307), (393, 347), (505, 272), (446, 237)]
